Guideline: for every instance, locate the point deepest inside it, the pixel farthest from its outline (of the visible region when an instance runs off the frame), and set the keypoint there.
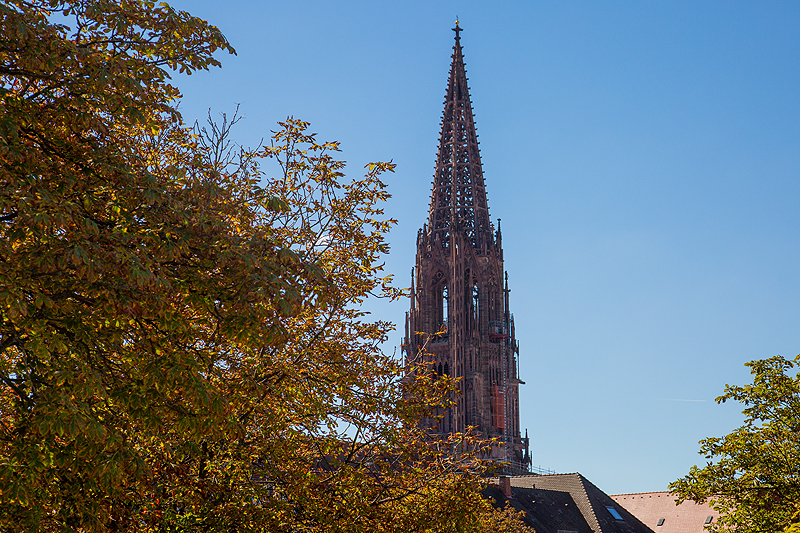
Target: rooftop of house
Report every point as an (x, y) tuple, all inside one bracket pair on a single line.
[(564, 503), (659, 511)]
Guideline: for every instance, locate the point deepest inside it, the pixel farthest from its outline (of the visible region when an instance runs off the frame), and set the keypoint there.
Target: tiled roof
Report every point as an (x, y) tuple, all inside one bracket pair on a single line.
[(570, 503), (546, 511), (571, 483), (652, 507)]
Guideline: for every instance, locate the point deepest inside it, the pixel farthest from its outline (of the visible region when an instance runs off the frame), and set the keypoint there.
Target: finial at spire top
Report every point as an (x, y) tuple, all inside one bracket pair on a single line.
[(458, 28)]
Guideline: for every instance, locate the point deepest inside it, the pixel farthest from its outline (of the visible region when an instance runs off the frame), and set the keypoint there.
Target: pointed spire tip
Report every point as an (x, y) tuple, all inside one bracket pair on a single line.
[(458, 27)]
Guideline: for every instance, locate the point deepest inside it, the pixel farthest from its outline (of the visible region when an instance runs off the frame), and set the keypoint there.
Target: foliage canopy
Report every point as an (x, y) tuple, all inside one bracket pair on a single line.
[(752, 475), (181, 342)]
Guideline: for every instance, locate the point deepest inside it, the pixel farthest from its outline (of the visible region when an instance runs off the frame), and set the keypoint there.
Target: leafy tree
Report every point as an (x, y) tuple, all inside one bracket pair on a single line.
[(753, 474), (181, 346), (794, 524)]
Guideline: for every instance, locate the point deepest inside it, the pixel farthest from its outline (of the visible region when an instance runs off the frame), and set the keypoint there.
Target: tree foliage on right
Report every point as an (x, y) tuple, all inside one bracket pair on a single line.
[(752, 475)]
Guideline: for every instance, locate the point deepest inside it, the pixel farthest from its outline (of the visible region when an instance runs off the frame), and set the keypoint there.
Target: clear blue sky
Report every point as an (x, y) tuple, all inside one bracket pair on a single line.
[(644, 159)]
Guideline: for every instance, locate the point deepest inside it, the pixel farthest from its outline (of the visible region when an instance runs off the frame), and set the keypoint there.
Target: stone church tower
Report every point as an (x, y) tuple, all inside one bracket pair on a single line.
[(460, 291)]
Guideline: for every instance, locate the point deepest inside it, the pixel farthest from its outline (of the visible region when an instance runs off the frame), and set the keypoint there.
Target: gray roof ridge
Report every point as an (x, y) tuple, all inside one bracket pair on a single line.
[(638, 493), (555, 474), (592, 518)]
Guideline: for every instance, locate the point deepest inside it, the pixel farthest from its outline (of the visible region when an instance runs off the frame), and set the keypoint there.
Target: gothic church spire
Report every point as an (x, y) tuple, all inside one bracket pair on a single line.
[(459, 321), (458, 199)]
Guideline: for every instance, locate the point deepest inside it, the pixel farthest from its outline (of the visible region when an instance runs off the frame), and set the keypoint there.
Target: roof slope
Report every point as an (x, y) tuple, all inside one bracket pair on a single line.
[(650, 507), (546, 511), (595, 506)]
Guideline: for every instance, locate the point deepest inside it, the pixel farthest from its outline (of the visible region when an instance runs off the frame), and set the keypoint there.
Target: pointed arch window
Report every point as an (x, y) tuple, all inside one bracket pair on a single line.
[(476, 305), (445, 306)]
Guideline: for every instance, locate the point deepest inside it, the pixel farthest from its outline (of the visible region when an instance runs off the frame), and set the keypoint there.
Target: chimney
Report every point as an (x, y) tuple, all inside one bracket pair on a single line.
[(505, 486)]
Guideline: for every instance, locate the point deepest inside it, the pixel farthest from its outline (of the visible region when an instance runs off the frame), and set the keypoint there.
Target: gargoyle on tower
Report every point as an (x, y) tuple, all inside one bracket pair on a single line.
[(459, 321)]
